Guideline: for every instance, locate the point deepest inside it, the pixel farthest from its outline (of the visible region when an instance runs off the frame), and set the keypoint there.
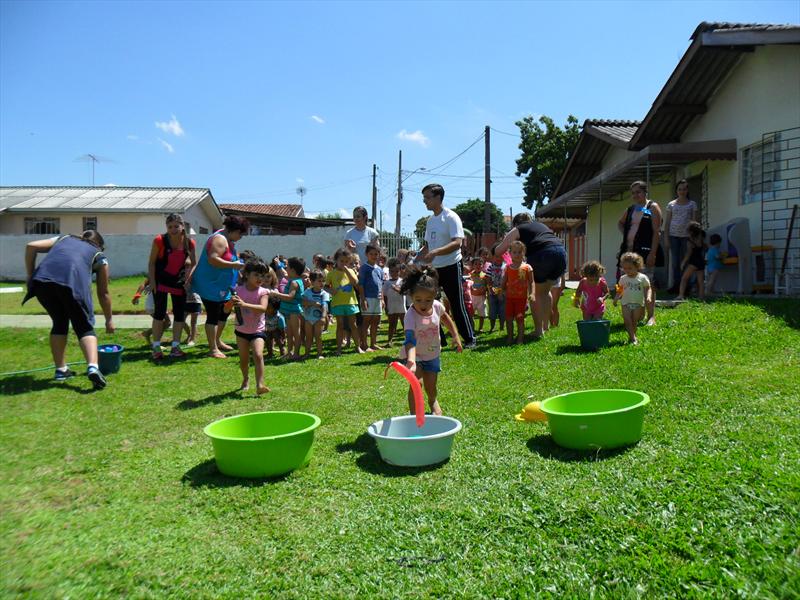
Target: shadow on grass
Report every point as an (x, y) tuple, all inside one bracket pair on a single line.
[(375, 359), (544, 446), (577, 349), (25, 384), (786, 309), (215, 399), (206, 474), (370, 459)]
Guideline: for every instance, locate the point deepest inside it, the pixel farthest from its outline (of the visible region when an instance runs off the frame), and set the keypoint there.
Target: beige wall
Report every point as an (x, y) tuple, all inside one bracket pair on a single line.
[(107, 223)]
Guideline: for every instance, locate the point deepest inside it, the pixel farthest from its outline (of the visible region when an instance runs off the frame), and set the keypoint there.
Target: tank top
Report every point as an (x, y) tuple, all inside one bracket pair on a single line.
[(536, 237), (210, 282)]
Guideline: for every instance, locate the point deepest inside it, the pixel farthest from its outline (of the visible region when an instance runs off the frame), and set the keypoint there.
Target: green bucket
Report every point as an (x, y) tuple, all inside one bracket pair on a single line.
[(594, 334), (263, 444), (109, 358), (594, 419)]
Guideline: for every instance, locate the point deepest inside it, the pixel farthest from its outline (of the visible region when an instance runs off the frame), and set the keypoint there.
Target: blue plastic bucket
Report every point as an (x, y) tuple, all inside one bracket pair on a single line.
[(594, 334), (109, 358)]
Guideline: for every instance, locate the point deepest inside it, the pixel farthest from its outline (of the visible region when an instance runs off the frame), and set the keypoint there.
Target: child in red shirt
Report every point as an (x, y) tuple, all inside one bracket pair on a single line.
[(518, 288)]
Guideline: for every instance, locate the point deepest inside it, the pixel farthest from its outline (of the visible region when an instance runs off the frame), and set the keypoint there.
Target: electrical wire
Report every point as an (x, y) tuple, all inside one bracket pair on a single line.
[(504, 132)]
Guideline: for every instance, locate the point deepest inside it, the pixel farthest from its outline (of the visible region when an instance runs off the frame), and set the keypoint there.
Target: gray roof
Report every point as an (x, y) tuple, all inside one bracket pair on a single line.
[(618, 130), (101, 199)]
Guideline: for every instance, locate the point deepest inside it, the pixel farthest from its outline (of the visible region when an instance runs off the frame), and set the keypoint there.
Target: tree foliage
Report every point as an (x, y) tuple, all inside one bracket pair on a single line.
[(471, 213), (545, 149), (323, 215), (419, 228)]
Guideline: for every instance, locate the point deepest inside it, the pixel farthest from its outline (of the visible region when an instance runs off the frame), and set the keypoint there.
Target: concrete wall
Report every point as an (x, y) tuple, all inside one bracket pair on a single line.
[(128, 254), (107, 223)]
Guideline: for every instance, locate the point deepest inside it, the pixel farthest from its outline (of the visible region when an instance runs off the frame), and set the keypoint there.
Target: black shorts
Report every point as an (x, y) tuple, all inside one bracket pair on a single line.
[(549, 264), (251, 336), (193, 308), (215, 312), (63, 309), (160, 306)]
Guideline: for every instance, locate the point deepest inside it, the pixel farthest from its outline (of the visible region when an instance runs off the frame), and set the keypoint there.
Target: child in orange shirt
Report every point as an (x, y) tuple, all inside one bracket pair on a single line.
[(518, 288)]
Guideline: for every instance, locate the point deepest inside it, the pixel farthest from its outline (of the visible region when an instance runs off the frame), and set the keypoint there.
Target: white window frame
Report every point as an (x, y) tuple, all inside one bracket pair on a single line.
[(88, 221), (751, 163)]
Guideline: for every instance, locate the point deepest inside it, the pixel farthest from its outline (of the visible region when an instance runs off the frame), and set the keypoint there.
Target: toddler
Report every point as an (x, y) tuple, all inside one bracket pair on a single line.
[(290, 305), (480, 284), (315, 311), (592, 291), (633, 289), (251, 301), (422, 348), (394, 301), (370, 280), (497, 302), (341, 284), (694, 263), (713, 261), (517, 286), (274, 328)]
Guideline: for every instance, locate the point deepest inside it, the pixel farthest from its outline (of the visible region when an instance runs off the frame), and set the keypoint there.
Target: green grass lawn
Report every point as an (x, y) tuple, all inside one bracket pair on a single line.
[(122, 291), (115, 493)]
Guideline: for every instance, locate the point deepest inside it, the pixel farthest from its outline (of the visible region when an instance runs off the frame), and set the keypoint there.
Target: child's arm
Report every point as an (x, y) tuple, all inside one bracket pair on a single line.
[(286, 297), (529, 281), (576, 299), (503, 282), (689, 248), (411, 350), (451, 327), (260, 307)]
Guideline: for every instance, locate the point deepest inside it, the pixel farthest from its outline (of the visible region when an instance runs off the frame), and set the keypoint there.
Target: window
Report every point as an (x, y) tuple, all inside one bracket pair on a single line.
[(39, 225), (761, 176), (89, 223), (203, 229)]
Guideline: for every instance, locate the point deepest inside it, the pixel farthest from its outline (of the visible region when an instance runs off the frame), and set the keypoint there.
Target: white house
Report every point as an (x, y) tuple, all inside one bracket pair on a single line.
[(727, 120), (110, 210)]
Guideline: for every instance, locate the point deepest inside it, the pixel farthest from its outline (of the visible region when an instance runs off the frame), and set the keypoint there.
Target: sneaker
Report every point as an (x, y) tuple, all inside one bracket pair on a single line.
[(64, 375), (470, 346), (176, 352), (157, 355), (96, 377)]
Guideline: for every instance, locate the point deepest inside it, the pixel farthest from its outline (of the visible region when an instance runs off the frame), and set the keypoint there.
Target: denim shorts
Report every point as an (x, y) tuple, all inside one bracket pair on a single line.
[(549, 264), (433, 365)]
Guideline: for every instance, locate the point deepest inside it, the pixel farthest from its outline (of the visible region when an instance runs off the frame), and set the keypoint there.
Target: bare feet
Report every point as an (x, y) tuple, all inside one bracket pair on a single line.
[(224, 347), (370, 349), (375, 347), (633, 341), (216, 354), (262, 389), (360, 350), (245, 385), (650, 322)]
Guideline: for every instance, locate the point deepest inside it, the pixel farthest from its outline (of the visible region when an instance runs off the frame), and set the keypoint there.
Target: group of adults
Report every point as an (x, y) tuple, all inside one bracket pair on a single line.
[(62, 281)]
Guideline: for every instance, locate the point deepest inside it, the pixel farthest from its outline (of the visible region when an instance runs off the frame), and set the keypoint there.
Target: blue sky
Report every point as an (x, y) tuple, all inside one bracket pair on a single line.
[(251, 99)]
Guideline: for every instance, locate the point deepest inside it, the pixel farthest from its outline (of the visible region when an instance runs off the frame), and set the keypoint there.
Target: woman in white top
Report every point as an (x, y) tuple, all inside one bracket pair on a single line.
[(680, 212)]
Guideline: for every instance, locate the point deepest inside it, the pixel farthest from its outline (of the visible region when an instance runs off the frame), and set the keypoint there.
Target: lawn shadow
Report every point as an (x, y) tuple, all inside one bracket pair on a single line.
[(206, 474), (189, 404), (375, 359), (25, 384), (370, 459), (544, 446), (578, 349), (786, 309)]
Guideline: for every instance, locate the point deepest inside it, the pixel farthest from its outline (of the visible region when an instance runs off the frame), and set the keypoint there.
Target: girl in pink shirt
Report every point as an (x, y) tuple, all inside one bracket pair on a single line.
[(592, 291), (251, 301)]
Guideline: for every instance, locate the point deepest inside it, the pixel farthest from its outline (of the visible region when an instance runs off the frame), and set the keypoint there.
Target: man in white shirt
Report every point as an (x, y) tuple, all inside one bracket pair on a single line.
[(442, 249), (357, 238)]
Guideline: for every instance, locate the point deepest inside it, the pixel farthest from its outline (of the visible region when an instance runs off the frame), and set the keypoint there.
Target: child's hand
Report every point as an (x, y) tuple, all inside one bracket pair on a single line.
[(457, 345), (136, 299), (236, 301), (411, 366)]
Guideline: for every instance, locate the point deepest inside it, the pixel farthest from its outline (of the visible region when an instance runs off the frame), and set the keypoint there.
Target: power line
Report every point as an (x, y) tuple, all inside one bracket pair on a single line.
[(504, 132), (292, 192)]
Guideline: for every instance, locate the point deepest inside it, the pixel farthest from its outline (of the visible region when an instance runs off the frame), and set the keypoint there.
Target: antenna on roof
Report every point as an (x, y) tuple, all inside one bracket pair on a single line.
[(301, 191), (94, 159)]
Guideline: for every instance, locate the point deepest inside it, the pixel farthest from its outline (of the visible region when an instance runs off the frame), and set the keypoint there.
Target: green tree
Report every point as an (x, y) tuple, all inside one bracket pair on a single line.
[(323, 215), (545, 153), (471, 213), (419, 228)]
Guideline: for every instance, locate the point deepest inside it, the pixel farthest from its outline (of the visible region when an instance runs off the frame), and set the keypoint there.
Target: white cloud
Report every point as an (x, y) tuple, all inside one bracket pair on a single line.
[(172, 126), (133, 137), (167, 146), (300, 180), (319, 120), (417, 137)]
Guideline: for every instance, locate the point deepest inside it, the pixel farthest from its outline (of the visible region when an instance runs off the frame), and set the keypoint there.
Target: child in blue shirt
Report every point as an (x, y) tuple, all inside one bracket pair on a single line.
[(370, 278), (274, 328), (290, 305), (713, 261), (315, 311)]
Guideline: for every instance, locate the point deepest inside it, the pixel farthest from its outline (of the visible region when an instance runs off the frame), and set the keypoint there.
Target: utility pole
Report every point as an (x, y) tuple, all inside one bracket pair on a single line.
[(399, 192), (487, 181), (374, 196)]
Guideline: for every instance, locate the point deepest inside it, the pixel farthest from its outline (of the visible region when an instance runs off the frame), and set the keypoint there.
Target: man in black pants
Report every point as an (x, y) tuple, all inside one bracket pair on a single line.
[(442, 248)]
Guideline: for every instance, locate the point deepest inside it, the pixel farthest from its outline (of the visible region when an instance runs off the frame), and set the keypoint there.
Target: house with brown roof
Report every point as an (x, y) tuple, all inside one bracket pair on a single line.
[(728, 121), (278, 219)]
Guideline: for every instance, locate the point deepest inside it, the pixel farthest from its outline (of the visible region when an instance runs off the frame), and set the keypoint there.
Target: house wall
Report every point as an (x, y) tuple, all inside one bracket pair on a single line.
[(128, 254), (107, 223), (761, 95)]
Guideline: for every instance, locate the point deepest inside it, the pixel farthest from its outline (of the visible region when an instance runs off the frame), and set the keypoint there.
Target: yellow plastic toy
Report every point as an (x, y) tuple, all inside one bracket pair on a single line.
[(532, 412)]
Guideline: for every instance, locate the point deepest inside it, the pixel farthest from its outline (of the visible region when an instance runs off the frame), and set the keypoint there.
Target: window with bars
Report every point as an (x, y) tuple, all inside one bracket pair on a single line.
[(40, 225), (89, 223), (760, 170)]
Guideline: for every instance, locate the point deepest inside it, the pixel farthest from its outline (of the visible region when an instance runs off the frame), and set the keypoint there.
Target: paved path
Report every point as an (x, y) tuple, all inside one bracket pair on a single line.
[(44, 322)]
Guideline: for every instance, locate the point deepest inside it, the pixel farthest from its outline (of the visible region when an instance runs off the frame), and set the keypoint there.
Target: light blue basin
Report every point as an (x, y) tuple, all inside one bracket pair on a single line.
[(400, 442)]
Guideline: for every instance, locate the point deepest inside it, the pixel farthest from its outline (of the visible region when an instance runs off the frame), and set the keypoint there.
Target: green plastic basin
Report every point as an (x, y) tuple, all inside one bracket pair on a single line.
[(401, 443), (594, 419), (262, 444)]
